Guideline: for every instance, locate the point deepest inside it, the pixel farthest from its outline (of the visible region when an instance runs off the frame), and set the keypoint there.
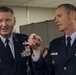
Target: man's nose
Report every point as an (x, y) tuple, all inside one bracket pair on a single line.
[(56, 20), (4, 23)]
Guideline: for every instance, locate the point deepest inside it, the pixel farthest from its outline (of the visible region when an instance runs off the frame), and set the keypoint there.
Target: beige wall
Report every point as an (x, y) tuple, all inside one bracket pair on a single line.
[(40, 14), (31, 15)]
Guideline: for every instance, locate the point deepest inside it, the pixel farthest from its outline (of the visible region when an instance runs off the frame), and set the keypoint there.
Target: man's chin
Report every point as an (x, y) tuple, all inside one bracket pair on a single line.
[(5, 34), (60, 29)]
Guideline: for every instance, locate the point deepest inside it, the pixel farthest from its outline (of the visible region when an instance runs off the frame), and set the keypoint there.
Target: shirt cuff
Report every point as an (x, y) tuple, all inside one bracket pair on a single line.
[(35, 58)]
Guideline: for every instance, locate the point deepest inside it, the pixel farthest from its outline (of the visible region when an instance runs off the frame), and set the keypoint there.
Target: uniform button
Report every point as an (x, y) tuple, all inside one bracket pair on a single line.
[(0, 60), (65, 68), (75, 54)]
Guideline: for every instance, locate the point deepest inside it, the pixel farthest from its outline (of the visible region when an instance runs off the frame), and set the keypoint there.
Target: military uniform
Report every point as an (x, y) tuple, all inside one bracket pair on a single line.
[(57, 62), (17, 66)]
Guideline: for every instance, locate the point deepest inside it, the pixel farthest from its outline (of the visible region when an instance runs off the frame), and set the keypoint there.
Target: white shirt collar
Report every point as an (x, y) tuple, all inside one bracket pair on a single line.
[(10, 38), (73, 37)]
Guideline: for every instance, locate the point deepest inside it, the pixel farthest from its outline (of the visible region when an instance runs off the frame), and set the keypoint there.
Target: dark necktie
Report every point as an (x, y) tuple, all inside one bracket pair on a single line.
[(68, 44), (8, 47)]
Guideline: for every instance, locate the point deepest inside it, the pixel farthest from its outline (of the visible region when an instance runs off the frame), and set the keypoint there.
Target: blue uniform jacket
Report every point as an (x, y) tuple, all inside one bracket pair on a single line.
[(57, 62), (17, 66)]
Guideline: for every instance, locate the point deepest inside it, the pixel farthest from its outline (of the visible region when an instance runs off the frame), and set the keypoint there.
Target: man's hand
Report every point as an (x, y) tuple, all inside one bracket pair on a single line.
[(35, 42)]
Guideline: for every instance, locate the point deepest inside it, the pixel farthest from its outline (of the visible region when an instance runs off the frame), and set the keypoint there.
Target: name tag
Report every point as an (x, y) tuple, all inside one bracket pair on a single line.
[(54, 53)]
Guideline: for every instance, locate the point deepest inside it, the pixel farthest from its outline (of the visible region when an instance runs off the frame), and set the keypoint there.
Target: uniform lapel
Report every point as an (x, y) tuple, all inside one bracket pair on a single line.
[(71, 54), (4, 52), (18, 47), (62, 48)]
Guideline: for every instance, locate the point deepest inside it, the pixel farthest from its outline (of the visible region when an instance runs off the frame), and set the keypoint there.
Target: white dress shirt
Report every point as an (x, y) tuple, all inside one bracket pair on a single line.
[(11, 44)]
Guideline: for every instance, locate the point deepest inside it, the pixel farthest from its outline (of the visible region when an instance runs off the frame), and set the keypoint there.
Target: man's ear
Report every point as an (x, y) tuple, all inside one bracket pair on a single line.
[(72, 15), (14, 22)]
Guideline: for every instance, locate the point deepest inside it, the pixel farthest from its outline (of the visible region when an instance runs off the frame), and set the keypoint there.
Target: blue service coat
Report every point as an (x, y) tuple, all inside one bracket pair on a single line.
[(57, 62), (9, 65)]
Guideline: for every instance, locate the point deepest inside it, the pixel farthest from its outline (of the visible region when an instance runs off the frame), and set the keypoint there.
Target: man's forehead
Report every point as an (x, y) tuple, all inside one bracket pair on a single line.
[(60, 10)]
